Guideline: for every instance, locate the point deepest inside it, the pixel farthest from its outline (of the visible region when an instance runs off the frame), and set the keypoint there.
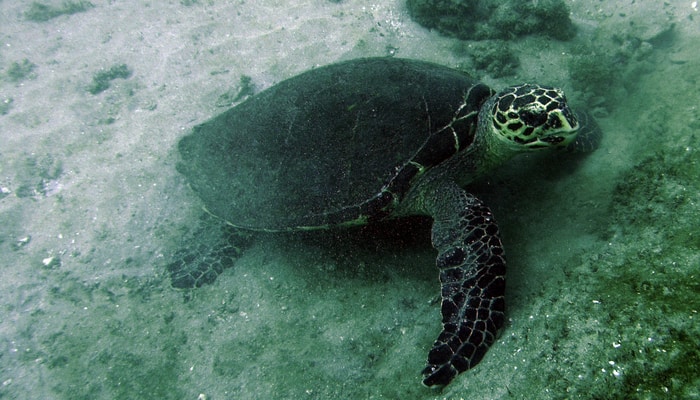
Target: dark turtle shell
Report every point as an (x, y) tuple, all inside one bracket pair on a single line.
[(340, 144)]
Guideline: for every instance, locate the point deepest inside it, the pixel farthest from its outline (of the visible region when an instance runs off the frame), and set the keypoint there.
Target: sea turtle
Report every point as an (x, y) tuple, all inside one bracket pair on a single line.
[(373, 139)]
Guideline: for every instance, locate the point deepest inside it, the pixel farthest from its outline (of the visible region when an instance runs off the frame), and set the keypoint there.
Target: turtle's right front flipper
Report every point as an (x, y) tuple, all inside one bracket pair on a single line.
[(589, 135), (472, 274)]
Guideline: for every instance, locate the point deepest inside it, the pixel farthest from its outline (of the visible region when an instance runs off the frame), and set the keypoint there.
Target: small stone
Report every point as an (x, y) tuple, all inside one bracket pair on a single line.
[(51, 262), (21, 242)]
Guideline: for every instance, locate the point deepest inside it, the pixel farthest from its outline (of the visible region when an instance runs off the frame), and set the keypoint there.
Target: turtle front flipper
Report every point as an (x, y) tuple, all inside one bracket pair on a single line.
[(472, 274), (589, 135)]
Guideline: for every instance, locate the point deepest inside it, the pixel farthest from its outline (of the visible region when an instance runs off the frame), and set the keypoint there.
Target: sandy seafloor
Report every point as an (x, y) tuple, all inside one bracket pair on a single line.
[(604, 251)]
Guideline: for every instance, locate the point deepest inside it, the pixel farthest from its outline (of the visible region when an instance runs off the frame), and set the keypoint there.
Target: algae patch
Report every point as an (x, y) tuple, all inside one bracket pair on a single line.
[(238, 93), (494, 19), (39, 12), (651, 287), (102, 79), (495, 58), (19, 71)]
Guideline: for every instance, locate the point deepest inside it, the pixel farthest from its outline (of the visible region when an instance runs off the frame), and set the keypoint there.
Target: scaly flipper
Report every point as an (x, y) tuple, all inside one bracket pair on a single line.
[(201, 261), (472, 273), (589, 135)]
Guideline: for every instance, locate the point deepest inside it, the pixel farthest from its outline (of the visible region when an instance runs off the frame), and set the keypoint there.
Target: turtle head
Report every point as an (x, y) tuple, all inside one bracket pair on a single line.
[(532, 117)]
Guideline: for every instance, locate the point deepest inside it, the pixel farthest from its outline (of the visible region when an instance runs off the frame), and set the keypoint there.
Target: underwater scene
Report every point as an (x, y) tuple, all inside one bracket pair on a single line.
[(149, 249)]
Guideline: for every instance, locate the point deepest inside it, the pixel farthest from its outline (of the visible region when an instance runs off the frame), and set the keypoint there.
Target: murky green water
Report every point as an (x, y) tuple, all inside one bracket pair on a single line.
[(603, 250)]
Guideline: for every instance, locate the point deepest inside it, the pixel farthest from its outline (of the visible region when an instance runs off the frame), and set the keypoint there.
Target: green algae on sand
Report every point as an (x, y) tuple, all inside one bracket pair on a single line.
[(39, 12)]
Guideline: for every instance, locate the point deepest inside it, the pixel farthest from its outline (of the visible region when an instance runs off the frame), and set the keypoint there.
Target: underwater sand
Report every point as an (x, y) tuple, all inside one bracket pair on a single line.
[(604, 251)]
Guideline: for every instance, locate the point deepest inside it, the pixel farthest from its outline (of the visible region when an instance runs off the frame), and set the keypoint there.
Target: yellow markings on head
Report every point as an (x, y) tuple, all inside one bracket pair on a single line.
[(534, 116)]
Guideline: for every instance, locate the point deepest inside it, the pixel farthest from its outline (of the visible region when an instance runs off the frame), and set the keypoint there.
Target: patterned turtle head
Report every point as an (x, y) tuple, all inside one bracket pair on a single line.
[(533, 117)]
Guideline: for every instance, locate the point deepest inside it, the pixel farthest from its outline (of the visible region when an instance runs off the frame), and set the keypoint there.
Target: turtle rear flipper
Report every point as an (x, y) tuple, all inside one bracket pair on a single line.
[(472, 274), (200, 261)]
